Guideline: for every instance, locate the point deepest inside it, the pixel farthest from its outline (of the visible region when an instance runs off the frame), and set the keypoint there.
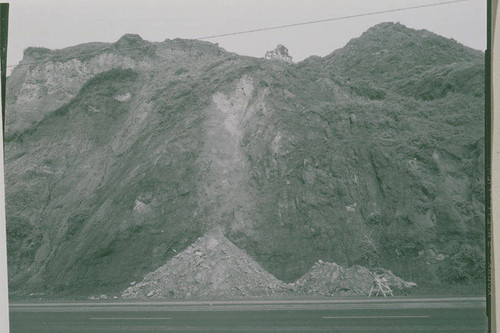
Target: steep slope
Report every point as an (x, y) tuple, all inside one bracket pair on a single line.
[(97, 194), (366, 177), (47, 79), (118, 155)]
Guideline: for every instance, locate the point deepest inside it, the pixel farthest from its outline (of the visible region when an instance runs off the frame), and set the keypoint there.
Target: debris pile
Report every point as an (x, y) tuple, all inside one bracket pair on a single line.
[(212, 267), (330, 279), (393, 280)]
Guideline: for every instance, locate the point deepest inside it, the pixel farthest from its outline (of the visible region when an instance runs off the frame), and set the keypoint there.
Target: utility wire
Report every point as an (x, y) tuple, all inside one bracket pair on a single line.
[(286, 26), (333, 19)]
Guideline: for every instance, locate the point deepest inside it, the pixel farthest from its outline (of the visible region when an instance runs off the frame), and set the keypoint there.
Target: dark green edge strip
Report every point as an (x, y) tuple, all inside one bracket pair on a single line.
[(4, 31), (487, 164)]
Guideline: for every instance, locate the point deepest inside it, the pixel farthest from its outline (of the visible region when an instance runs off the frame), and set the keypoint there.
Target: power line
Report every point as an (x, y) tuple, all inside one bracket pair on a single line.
[(287, 26), (333, 19)]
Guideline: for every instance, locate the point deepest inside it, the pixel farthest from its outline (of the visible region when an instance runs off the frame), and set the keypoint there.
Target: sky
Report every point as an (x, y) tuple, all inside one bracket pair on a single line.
[(57, 24)]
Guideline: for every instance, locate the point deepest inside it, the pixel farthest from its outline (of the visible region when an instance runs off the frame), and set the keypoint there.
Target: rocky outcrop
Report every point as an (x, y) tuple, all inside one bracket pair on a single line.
[(38, 87), (280, 53)]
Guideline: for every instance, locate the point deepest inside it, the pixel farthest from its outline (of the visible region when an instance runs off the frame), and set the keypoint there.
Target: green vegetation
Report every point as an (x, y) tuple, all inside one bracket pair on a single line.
[(372, 155), (466, 266)]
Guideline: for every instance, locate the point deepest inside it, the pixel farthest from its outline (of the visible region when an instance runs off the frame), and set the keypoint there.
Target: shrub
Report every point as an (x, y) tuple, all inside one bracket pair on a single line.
[(467, 265), (369, 254), (18, 228), (408, 245), (365, 89), (74, 224), (376, 219)]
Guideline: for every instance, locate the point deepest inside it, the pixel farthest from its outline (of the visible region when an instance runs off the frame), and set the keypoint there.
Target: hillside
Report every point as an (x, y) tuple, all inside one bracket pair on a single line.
[(119, 156)]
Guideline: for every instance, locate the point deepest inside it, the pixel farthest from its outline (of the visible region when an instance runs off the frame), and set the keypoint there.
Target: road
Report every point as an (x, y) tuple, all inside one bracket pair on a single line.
[(346, 315)]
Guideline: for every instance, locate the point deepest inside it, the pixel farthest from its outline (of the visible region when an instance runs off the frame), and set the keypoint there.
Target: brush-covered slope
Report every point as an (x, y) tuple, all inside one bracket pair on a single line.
[(119, 155)]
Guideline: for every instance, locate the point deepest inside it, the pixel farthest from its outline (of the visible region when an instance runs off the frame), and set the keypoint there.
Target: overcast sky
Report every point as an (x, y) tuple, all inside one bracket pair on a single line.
[(59, 23)]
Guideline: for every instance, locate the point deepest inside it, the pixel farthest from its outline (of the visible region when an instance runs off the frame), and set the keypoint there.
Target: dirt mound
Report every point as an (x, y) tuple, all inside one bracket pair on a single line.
[(212, 267), (330, 279)]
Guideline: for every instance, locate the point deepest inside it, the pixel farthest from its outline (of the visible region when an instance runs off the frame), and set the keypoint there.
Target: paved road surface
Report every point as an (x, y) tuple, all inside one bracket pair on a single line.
[(347, 315)]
